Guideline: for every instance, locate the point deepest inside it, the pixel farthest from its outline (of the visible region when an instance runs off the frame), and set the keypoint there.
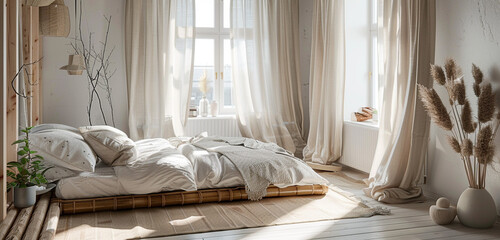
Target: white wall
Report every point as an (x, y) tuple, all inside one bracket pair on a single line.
[(469, 32), (65, 97)]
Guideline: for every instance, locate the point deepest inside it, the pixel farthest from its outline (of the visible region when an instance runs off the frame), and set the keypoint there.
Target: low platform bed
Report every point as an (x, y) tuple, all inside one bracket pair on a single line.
[(98, 168), (74, 206)]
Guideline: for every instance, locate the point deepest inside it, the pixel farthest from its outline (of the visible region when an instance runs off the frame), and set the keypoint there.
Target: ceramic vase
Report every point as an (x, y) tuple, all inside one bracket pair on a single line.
[(476, 208), (203, 107), (24, 197), (214, 108)]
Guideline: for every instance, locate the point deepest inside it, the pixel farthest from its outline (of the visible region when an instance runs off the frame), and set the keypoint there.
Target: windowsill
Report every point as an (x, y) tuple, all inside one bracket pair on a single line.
[(369, 123), (213, 118)]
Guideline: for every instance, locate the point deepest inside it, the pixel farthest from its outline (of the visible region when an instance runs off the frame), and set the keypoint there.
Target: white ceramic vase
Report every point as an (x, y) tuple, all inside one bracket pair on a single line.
[(203, 107), (476, 208)]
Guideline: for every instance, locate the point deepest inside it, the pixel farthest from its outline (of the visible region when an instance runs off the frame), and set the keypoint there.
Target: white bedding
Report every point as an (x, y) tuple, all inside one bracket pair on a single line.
[(100, 183), (161, 167)]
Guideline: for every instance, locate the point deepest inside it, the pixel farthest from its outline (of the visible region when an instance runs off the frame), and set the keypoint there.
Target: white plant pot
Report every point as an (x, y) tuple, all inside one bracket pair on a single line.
[(476, 208), (24, 197)]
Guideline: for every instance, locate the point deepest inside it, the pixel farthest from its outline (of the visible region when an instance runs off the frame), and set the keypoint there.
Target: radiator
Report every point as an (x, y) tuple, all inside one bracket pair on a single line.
[(221, 126), (359, 143)]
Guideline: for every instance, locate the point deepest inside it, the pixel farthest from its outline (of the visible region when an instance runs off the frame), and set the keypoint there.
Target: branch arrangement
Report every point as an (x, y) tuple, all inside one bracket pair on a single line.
[(97, 67), (24, 68), (470, 137)]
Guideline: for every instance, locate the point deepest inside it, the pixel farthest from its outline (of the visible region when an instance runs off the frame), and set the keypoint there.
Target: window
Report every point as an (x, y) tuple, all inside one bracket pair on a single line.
[(361, 82), (213, 54)]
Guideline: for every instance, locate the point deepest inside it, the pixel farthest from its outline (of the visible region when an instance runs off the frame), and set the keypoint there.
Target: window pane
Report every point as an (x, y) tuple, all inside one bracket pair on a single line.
[(227, 74), (205, 13), (227, 13), (203, 66)]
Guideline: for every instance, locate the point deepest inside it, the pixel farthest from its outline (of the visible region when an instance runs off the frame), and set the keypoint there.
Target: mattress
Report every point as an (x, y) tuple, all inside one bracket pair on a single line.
[(101, 183)]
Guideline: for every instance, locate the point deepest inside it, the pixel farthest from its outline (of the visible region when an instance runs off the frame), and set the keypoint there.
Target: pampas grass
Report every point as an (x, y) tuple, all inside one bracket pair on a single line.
[(459, 120), (467, 123), (459, 91), (435, 107), (204, 84), (486, 104), (454, 144), (477, 74), (437, 74)]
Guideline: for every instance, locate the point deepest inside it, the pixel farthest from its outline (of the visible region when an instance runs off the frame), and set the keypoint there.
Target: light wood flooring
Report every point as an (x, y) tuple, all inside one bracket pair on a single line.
[(406, 221)]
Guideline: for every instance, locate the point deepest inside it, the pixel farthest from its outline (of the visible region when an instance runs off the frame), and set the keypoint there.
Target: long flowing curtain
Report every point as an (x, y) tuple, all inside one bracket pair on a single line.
[(406, 50), (265, 57), (326, 90), (159, 40)]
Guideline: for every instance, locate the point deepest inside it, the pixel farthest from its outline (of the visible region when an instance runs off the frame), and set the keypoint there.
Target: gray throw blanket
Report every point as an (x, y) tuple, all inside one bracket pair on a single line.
[(260, 164)]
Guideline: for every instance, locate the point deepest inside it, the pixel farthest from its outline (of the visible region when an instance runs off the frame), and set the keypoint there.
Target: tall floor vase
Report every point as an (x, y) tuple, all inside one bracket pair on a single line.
[(476, 208)]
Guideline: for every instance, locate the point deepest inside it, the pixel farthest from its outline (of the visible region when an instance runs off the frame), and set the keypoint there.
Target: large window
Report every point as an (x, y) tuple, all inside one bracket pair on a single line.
[(213, 54), (361, 86)]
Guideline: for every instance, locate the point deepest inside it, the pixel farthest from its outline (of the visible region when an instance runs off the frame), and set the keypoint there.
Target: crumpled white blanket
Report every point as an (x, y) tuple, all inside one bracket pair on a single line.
[(259, 163)]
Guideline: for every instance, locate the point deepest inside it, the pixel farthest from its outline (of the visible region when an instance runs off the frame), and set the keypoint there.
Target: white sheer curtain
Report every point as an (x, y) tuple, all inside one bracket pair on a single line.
[(159, 40), (326, 90), (265, 57), (406, 50)]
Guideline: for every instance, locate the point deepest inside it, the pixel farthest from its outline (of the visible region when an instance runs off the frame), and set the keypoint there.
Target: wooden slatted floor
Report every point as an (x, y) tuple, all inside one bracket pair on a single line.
[(407, 221)]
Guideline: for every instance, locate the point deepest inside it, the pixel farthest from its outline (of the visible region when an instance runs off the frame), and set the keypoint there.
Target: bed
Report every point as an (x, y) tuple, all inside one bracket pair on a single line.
[(163, 172)]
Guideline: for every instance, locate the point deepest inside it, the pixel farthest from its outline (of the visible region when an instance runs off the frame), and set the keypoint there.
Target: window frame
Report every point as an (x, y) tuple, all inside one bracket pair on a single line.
[(218, 33), (373, 74)]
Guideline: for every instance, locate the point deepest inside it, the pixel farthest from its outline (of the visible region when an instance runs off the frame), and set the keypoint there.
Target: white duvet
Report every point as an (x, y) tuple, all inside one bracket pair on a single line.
[(160, 167), (163, 167)]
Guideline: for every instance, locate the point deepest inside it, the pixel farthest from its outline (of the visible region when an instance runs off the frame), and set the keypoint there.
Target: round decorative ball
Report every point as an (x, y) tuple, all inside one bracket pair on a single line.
[(443, 202), (442, 213)]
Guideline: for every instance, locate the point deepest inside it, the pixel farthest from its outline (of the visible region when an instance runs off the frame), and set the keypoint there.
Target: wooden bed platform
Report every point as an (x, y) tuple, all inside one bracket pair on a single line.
[(74, 206)]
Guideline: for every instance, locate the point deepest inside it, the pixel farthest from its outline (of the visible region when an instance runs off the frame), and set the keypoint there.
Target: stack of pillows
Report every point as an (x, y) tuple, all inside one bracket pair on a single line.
[(70, 151)]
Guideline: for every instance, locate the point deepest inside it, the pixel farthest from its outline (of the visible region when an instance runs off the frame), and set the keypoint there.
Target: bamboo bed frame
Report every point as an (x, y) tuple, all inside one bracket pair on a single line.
[(74, 206)]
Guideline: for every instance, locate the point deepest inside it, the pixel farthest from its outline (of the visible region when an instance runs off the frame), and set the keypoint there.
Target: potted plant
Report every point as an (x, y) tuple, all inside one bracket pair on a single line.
[(471, 137), (26, 173)]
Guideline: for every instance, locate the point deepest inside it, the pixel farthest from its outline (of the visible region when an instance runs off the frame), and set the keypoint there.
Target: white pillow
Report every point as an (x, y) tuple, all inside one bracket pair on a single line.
[(57, 173), (110, 144), (47, 126), (63, 148)]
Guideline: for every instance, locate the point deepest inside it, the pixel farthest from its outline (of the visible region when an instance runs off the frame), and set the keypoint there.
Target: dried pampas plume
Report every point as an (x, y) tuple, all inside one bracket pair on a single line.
[(467, 148), (477, 89), (467, 123), (454, 144), (477, 74), (484, 150), (459, 92), (435, 107), (449, 66), (203, 83), (437, 74), (486, 104)]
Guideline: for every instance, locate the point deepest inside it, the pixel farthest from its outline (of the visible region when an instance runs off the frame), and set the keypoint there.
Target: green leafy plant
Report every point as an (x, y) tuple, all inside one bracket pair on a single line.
[(28, 170)]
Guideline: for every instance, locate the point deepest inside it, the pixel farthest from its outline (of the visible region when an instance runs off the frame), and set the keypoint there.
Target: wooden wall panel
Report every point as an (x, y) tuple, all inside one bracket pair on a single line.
[(31, 53), (12, 41), (3, 111), (35, 70)]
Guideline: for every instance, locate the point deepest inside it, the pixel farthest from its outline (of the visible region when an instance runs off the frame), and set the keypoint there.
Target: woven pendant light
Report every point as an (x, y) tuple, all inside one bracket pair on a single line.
[(75, 65), (54, 20), (38, 3)]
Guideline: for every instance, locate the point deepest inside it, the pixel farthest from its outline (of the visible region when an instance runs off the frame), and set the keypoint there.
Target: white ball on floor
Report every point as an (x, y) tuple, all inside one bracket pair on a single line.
[(442, 213)]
